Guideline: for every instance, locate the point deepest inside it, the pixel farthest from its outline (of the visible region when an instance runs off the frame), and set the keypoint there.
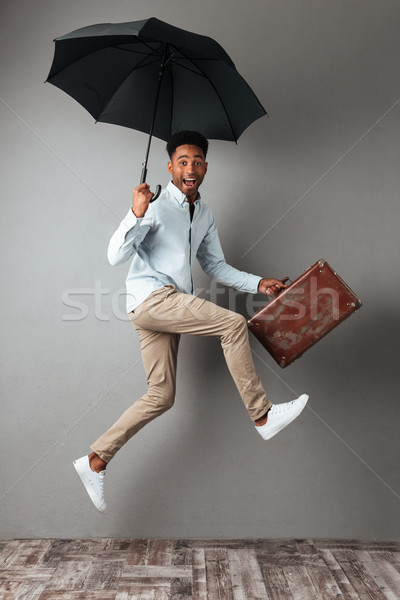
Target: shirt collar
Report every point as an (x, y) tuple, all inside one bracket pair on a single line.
[(178, 195)]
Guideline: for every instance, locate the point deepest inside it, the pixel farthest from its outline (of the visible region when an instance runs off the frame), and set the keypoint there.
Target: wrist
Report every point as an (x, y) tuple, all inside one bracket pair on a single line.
[(137, 216)]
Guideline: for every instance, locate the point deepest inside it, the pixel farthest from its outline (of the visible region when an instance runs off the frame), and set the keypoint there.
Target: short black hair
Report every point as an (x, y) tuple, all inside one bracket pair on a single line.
[(183, 138)]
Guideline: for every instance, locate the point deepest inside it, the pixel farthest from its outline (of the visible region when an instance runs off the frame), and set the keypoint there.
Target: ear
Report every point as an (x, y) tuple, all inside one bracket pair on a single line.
[(206, 166), (170, 167)]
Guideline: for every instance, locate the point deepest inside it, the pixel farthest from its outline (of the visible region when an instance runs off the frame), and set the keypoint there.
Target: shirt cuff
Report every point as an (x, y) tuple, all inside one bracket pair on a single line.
[(253, 283), (131, 220)]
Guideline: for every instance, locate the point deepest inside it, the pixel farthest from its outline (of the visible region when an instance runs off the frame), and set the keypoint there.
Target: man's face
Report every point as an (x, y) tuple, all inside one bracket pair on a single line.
[(188, 168)]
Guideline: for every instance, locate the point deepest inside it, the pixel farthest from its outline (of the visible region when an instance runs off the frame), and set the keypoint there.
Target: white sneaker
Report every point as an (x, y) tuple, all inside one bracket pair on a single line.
[(280, 415), (93, 482)]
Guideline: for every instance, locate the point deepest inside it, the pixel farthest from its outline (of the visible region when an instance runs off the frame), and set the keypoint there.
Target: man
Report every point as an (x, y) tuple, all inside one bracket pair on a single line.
[(164, 238)]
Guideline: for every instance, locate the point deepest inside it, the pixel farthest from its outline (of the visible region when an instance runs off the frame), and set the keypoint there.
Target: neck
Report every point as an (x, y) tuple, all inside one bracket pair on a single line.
[(192, 199)]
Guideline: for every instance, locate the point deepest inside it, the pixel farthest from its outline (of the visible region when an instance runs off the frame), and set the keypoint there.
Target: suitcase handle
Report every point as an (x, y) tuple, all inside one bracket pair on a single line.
[(284, 280)]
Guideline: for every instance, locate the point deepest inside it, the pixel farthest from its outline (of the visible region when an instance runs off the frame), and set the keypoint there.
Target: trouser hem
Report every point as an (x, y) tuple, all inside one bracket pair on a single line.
[(263, 411), (103, 455)]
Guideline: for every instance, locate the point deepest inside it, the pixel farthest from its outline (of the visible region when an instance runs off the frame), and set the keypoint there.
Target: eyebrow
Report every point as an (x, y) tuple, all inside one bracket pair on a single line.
[(195, 156)]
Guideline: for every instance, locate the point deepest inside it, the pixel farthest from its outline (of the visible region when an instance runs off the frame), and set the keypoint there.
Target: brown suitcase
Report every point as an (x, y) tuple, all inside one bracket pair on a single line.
[(303, 313)]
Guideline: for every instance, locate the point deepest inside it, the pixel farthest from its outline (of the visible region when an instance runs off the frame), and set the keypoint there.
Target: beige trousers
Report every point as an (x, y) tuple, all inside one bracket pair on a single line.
[(159, 321)]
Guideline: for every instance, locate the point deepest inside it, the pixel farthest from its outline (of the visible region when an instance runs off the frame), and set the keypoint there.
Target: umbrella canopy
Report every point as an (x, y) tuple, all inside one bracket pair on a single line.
[(156, 78)]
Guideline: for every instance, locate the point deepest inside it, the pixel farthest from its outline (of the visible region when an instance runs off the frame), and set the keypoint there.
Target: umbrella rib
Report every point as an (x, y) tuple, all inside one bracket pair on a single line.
[(202, 57), (133, 51), (218, 95), (198, 58), (71, 63), (188, 69), (145, 64), (135, 68), (148, 46), (153, 50)]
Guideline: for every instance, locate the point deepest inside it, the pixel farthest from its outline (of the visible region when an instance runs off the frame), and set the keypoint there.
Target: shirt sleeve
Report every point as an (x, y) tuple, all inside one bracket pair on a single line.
[(212, 261), (127, 238)]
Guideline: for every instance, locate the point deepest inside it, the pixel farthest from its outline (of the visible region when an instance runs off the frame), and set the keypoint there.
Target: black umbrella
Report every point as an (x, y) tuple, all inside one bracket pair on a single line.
[(156, 78)]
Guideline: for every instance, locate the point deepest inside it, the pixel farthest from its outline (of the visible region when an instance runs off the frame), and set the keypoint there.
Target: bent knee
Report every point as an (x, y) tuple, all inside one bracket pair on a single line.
[(239, 322), (236, 328), (162, 401), (168, 402)]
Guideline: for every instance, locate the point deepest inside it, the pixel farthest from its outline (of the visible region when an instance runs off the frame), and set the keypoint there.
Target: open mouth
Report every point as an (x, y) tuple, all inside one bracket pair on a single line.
[(189, 182)]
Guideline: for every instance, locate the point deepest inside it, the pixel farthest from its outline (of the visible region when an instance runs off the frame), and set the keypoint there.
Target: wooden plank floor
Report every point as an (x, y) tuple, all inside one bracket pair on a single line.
[(153, 569)]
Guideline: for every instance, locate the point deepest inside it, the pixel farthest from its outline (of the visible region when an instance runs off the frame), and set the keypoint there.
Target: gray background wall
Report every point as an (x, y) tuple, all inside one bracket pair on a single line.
[(320, 177)]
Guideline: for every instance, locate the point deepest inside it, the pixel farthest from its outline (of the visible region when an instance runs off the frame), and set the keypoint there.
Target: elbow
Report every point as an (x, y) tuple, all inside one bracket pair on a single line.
[(117, 258), (114, 254), (215, 269), (113, 259)]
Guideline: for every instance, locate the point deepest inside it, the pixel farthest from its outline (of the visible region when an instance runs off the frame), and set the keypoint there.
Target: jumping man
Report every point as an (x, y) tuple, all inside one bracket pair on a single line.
[(163, 238)]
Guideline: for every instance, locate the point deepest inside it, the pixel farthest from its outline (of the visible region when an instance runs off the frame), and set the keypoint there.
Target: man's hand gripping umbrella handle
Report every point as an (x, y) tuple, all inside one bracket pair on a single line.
[(143, 179)]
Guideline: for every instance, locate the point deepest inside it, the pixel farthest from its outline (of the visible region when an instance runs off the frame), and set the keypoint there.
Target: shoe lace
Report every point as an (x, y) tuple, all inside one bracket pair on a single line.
[(278, 408), (102, 474)]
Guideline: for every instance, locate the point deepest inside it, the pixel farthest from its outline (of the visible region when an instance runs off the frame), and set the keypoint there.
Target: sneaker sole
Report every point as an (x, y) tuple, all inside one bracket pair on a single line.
[(88, 487), (302, 404)]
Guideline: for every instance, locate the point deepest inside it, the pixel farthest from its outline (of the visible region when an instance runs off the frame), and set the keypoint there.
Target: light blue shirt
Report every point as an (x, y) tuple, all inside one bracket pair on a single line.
[(164, 244)]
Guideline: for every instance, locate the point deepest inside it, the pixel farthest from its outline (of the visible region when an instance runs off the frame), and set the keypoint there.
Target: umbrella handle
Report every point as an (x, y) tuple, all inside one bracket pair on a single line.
[(143, 179), (158, 192)]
